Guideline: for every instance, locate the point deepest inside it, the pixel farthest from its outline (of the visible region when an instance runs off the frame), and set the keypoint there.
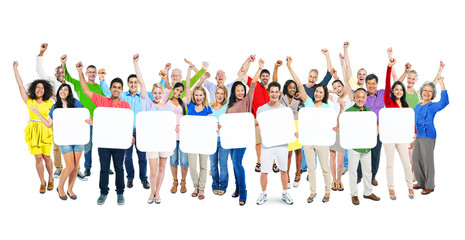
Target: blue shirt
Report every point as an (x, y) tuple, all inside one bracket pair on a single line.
[(424, 116), (219, 112), (77, 104), (309, 103), (191, 110), (134, 101), (148, 105), (325, 81)]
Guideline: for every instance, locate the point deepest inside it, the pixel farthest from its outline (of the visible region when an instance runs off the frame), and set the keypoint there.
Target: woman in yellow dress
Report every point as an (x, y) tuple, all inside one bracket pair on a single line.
[(38, 137)]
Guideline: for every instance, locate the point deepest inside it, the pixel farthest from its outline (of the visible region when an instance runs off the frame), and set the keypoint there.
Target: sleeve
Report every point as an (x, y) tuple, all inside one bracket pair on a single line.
[(326, 79), (163, 82), (353, 83), (387, 87), (51, 111), (443, 102), (249, 81), (105, 88), (166, 95), (78, 104), (71, 80), (197, 77), (210, 87), (150, 95), (209, 110), (97, 99), (40, 70), (249, 97)]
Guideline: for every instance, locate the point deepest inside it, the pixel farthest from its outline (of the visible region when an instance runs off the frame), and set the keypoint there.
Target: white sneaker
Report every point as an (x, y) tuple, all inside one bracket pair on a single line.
[(288, 185), (262, 199), (287, 198), (57, 173), (296, 184)]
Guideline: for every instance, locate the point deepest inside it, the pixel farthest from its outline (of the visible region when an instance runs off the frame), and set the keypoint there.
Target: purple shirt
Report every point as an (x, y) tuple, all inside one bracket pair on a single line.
[(376, 102)]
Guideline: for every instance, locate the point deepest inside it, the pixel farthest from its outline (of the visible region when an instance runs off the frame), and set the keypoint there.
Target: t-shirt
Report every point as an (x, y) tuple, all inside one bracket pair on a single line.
[(219, 112), (191, 110), (101, 101), (309, 103), (149, 105), (325, 82), (260, 96), (77, 104)]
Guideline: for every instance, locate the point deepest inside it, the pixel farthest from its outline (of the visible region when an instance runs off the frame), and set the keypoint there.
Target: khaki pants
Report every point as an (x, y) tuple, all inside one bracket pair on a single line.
[(365, 160), (402, 149), (323, 158), (199, 179)]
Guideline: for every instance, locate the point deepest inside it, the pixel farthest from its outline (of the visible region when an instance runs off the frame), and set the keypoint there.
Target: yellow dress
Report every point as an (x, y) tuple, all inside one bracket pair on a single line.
[(296, 144), (38, 136)]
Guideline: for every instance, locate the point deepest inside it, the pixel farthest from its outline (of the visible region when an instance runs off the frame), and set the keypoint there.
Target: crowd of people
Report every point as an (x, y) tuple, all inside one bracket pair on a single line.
[(199, 96)]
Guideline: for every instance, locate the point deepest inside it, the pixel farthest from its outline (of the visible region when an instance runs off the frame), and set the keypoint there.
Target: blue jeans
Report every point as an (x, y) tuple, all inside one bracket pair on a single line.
[(142, 162), (346, 159), (375, 157), (179, 157), (70, 148), (105, 155), (237, 154), (88, 152), (220, 176)]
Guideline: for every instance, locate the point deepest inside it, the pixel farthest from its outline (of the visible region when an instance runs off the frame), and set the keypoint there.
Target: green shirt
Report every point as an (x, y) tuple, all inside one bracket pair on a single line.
[(194, 80), (354, 108), (83, 98), (412, 99)]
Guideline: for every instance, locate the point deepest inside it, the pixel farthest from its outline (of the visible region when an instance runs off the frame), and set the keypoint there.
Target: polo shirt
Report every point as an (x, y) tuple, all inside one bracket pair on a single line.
[(354, 108), (101, 101)]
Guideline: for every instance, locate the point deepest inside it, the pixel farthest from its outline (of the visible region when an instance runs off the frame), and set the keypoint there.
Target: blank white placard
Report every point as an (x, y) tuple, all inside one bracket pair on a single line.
[(358, 130), (156, 131), (396, 125), (237, 130), (198, 134), (69, 126), (113, 128), (277, 127), (316, 126)]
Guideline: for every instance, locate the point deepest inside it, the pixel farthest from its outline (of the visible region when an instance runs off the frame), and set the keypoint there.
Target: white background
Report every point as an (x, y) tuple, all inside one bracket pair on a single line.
[(106, 34)]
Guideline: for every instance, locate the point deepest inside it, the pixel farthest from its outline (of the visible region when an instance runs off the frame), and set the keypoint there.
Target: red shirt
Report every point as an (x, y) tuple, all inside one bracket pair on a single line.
[(101, 101), (260, 96), (388, 102)]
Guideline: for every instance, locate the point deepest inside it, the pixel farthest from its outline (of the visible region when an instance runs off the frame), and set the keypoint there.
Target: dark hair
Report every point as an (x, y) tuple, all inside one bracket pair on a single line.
[(116, 80), (181, 103), (69, 98), (286, 86), (362, 89), (274, 84), (337, 81), (264, 71), (371, 76), (132, 76), (402, 99), (48, 89), (325, 89), (90, 66), (232, 97)]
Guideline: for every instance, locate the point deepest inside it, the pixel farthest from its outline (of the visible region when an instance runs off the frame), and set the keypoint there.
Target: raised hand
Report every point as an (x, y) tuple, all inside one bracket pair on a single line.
[(346, 44), (187, 61), (15, 65), (101, 73), (325, 51), (341, 57), (261, 63), (251, 58), (135, 58), (79, 66), (191, 67), (334, 73), (392, 62), (43, 47), (163, 74), (441, 64), (207, 75), (289, 61), (63, 59), (167, 67), (204, 65), (278, 63), (441, 79), (389, 51), (408, 66)]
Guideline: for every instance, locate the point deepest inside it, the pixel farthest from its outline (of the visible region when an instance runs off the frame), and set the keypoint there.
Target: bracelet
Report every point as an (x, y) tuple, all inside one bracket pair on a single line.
[(260, 68)]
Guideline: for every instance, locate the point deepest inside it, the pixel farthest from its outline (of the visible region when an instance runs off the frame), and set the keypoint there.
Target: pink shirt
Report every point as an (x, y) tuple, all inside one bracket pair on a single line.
[(176, 109)]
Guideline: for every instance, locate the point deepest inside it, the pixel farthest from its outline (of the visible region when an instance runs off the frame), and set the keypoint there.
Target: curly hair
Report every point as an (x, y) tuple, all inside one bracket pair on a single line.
[(48, 89)]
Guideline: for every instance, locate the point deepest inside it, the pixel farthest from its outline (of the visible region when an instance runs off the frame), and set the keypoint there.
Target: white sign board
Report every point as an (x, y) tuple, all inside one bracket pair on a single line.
[(396, 125), (156, 131), (69, 126), (198, 134), (358, 130), (277, 127), (316, 126), (113, 128), (237, 130)]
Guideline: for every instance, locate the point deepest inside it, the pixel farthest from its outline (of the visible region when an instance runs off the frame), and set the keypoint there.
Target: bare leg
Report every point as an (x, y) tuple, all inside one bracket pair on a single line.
[(289, 157), (73, 175), (69, 167), (40, 168), (298, 161), (340, 166), (160, 176), (332, 164), (264, 181), (49, 167), (284, 178), (258, 148), (153, 164)]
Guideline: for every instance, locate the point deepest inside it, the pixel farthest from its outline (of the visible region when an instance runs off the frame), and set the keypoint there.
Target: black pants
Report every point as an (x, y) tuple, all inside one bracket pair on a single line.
[(105, 155)]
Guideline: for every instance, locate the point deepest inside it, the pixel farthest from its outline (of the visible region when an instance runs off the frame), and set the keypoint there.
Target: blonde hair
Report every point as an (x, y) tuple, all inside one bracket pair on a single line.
[(225, 100), (414, 72), (158, 85), (205, 100)]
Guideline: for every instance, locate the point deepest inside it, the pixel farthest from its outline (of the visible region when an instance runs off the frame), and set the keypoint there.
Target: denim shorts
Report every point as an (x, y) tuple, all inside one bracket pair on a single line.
[(179, 157), (70, 148)]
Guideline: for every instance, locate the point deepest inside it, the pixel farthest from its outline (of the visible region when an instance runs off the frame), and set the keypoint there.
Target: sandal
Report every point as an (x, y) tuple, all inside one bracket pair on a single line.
[(241, 203), (235, 195), (215, 192), (325, 199), (221, 192), (275, 168), (174, 189), (296, 181), (334, 186), (258, 167), (195, 193), (392, 196), (310, 199), (183, 186), (201, 195), (411, 195), (340, 187)]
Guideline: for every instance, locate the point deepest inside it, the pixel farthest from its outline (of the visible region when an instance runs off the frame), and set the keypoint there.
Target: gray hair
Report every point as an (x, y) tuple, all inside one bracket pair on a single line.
[(313, 70), (177, 69), (217, 72), (432, 85)]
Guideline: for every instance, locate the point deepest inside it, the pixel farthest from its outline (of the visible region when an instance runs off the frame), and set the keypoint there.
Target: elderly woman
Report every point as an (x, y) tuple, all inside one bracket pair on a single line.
[(423, 149)]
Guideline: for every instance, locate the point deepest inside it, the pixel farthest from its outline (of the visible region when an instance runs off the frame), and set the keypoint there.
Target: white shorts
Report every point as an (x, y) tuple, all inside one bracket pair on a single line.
[(152, 155), (269, 154)]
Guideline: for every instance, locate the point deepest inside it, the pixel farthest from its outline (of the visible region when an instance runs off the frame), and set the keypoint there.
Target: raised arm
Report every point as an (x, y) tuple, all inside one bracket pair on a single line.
[(188, 84), (387, 85), (344, 71), (143, 88), (408, 66), (328, 60), (39, 63), (261, 64), (441, 67), (103, 84), (242, 73), (190, 63), (303, 94), (22, 90), (82, 81), (347, 60), (393, 72), (199, 74), (203, 79), (275, 72)]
